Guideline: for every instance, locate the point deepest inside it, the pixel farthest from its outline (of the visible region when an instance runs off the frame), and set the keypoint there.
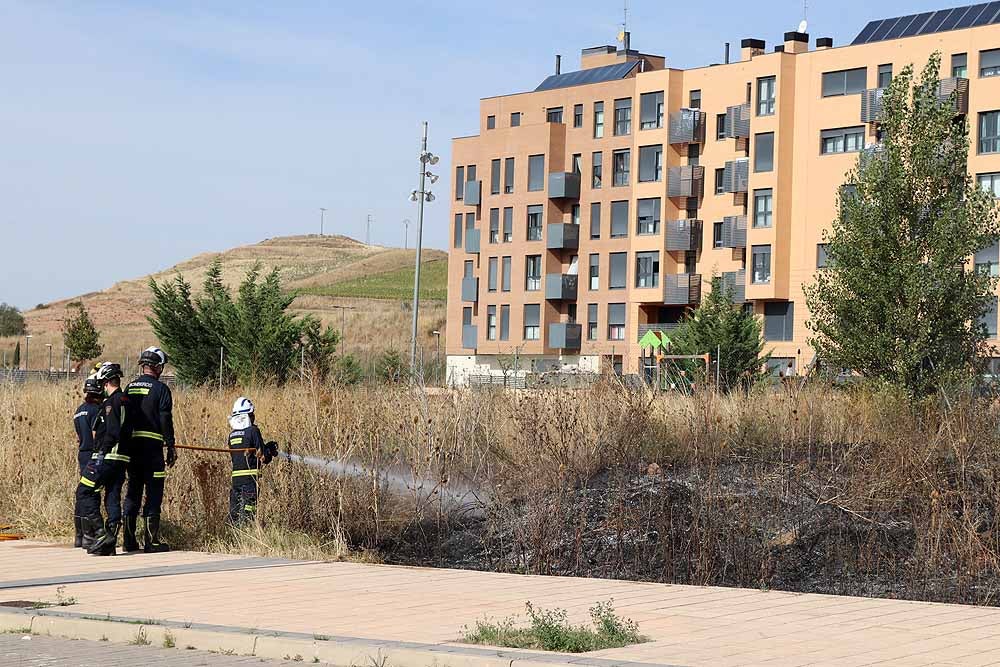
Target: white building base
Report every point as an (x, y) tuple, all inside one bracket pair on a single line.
[(494, 369)]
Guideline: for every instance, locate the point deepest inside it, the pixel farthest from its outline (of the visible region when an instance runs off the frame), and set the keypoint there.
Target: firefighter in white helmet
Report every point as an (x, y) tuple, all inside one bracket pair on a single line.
[(249, 452)]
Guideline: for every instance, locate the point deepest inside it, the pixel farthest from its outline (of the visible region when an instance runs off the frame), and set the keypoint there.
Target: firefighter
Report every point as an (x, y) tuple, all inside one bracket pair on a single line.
[(246, 464), (152, 407), (112, 440), (83, 422)]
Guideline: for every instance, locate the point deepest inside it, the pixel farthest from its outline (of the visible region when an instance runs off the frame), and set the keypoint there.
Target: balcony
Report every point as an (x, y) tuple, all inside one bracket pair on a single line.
[(470, 336), (562, 236), (561, 286), (734, 231), (871, 105), (565, 336), (738, 121), (736, 176), (473, 193), (870, 153), (685, 181), (735, 282), (564, 185), (680, 289), (472, 240), (470, 290), (656, 327), (960, 88), (683, 235), (687, 126)]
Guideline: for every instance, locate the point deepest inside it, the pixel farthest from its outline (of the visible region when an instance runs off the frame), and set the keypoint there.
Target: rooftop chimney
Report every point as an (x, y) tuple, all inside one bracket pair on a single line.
[(751, 47), (727, 53), (628, 41), (558, 64), (824, 43), (796, 42)]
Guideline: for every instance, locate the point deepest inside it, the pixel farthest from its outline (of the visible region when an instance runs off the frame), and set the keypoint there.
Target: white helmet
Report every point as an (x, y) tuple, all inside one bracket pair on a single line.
[(153, 356), (243, 406)]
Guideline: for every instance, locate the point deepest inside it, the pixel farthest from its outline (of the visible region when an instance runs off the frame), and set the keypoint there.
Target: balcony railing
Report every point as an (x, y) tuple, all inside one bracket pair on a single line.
[(680, 289), (736, 176), (686, 181), (473, 193), (470, 336), (561, 286), (738, 121), (657, 327), (687, 126), (470, 290), (565, 336), (683, 235), (564, 185), (735, 282), (471, 240), (734, 231), (871, 105), (871, 99), (562, 236)]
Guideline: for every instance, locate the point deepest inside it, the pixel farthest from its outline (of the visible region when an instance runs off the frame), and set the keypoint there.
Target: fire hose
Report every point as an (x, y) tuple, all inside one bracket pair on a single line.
[(269, 450)]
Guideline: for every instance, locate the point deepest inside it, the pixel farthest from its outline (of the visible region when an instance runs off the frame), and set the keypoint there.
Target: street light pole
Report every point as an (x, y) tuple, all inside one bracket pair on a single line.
[(420, 196), (406, 233), (49, 345), (26, 339), (322, 214)]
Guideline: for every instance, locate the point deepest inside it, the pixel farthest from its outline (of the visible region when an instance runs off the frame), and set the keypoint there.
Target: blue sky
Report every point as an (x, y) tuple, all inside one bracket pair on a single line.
[(136, 134)]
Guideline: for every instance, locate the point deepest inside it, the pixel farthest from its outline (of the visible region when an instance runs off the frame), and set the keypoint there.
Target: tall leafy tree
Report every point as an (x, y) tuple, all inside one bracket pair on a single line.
[(898, 303), (11, 321), (80, 335)]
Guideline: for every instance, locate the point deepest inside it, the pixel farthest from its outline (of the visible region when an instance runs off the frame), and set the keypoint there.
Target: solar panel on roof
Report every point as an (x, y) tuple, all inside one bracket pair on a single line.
[(916, 24), (900, 26), (866, 32), (934, 21), (970, 16), (586, 76), (987, 14), (952, 19), (883, 30)]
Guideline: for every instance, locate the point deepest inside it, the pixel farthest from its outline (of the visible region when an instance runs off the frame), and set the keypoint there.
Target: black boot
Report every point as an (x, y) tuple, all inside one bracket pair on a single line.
[(78, 527), (129, 541), (153, 545), (107, 539), (89, 529)]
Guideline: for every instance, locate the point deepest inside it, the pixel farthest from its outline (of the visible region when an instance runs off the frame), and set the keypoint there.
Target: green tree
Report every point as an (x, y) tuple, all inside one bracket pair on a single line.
[(11, 321), (80, 335), (896, 303), (318, 347), (719, 327)]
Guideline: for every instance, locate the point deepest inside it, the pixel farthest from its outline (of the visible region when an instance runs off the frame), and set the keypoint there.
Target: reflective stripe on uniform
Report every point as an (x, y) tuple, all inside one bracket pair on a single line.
[(117, 457), (87, 482), (250, 508), (236, 441), (245, 473), (160, 474), (138, 391), (147, 434)]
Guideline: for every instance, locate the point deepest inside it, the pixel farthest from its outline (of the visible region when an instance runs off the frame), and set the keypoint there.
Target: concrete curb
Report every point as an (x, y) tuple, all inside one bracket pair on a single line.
[(339, 651)]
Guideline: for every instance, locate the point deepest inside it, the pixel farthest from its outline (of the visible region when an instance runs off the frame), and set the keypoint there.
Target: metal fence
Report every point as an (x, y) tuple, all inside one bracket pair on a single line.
[(19, 376)]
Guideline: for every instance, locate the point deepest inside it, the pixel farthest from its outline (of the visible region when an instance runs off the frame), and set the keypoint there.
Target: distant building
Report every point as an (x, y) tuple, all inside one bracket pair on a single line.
[(598, 205)]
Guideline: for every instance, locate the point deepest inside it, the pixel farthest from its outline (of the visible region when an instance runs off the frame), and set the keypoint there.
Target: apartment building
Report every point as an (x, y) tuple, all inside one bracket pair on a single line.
[(598, 206)]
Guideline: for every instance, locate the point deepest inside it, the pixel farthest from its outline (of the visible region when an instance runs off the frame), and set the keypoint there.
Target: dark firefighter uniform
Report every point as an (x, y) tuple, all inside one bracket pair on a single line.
[(246, 470), (83, 422), (152, 410), (112, 437)]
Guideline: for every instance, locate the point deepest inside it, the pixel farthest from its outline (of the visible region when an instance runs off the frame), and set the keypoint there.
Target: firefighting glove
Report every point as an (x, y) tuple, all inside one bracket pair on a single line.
[(270, 450), (171, 456)]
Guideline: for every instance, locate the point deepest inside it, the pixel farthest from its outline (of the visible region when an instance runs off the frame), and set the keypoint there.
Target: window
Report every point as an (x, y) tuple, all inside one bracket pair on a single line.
[(577, 163), (766, 90), (716, 234), (535, 222), (470, 221), (842, 140), (623, 117), (778, 319), (469, 269), (720, 127), (616, 276), (761, 255), (651, 163), (536, 173), (763, 152), (508, 225), (987, 260), (845, 82), (458, 230), (515, 119), (597, 170), (621, 166), (648, 216), (822, 258), (592, 321), (494, 225), (989, 132), (554, 115), (491, 284), (595, 220), (619, 219), (720, 181), (459, 182), (467, 316), (989, 63), (694, 99), (577, 115), (495, 177), (574, 214), (532, 273), (616, 321), (989, 318), (960, 65), (531, 321), (647, 269), (762, 208), (990, 183), (884, 76), (508, 175), (491, 322), (598, 120), (693, 152), (491, 122), (504, 322), (505, 274), (651, 111), (470, 175)]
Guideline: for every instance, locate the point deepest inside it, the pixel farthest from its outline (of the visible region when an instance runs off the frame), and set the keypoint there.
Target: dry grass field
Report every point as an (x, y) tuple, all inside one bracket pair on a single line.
[(326, 270)]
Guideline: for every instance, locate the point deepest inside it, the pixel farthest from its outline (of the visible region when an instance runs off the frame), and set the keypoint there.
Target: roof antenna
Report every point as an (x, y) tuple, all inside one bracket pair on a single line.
[(805, 10), (623, 35)]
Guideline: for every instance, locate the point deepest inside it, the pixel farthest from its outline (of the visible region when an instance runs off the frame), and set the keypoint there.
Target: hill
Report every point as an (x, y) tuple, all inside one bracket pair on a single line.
[(346, 283)]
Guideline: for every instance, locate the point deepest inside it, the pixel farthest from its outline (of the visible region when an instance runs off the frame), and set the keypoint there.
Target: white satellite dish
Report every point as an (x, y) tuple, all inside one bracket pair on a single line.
[(803, 26)]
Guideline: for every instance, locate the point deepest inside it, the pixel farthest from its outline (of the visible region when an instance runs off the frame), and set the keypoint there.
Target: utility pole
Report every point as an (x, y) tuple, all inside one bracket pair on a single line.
[(420, 196), (322, 214), (368, 230), (406, 233), (49, 345), (26, 339)]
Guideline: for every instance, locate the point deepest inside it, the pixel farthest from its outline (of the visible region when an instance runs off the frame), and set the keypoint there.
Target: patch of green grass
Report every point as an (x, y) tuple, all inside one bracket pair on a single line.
[(391, 285), (18, 631), (550, 630)]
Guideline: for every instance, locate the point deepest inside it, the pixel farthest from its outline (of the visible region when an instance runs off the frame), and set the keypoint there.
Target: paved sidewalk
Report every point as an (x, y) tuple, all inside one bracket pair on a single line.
[(415, 607)]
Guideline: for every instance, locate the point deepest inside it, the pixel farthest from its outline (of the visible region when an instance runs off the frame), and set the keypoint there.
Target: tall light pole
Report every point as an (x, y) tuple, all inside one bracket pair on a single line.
[(420, 196), (322, 214), (406, 233), (26, 339), (368, 230), (49, 345)]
